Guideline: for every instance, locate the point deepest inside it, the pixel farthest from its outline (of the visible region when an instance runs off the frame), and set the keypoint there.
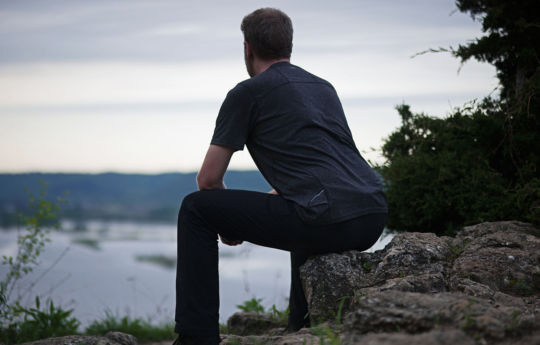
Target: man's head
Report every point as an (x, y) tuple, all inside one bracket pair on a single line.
[(269, 33)]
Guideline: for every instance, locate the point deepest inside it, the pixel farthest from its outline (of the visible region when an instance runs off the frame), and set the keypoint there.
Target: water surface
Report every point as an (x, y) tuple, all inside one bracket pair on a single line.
[(125, 268)]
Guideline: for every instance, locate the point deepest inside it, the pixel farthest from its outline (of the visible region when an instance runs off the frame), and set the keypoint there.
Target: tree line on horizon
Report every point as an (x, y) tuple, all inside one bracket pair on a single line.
[(111, 196)]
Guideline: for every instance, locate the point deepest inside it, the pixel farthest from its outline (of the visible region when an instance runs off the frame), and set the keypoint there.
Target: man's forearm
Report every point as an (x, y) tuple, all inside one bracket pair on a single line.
[(203, 184)]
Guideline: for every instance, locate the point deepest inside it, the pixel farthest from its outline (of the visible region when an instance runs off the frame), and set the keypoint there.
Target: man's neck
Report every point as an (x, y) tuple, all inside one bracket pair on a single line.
[(260, 66)]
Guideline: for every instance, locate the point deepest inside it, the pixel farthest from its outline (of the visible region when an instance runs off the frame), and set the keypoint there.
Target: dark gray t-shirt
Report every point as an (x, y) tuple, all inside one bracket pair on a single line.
[(293, 125)]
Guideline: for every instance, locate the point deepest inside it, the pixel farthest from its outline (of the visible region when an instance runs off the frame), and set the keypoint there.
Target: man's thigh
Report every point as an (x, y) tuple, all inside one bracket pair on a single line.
[(260, 218)]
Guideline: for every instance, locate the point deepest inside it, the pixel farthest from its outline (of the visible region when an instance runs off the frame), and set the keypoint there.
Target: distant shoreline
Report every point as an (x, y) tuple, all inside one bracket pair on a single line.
[(111, 196)]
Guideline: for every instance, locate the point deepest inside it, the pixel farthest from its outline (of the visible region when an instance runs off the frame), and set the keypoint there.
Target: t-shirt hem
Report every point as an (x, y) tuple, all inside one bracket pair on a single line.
[(234, 147)]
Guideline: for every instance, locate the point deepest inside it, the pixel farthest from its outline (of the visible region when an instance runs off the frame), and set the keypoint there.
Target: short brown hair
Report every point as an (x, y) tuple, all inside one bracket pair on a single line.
[(269, 31)]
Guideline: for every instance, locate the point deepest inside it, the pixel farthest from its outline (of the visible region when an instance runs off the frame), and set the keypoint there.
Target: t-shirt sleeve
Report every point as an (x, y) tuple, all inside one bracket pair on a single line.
[(234, 118)]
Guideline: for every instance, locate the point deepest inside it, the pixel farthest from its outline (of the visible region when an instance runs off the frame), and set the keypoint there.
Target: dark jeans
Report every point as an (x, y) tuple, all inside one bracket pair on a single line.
[(264, 219)]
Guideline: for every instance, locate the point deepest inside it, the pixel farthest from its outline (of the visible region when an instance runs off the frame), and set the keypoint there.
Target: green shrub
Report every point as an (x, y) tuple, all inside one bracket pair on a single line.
[(252, 305), (481, 163), (442, 174), (37, 323)]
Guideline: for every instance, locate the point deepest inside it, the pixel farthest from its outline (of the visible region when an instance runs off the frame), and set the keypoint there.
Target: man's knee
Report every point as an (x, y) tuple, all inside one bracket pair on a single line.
[(190, 202), (200, 202)]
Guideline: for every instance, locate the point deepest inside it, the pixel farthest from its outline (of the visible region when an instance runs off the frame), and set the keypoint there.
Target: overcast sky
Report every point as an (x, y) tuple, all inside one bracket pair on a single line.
[(135, 86)]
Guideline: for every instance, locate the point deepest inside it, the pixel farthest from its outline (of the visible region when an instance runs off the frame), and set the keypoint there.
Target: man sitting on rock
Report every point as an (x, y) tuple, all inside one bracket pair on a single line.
[(326, 198)]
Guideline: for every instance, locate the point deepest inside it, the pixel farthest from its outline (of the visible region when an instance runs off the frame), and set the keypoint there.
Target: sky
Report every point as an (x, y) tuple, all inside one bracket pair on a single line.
[(135, 86)]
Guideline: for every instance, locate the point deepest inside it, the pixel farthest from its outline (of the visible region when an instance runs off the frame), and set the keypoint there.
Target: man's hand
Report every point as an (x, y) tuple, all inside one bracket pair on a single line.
[(230, 242), (273, 191)]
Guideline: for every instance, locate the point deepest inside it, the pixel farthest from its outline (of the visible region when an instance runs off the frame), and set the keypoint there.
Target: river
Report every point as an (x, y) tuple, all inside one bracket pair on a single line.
[(127, 268)]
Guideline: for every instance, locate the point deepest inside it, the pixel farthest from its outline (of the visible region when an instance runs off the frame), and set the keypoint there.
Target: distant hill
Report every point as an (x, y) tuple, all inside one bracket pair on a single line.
[(112, 195)]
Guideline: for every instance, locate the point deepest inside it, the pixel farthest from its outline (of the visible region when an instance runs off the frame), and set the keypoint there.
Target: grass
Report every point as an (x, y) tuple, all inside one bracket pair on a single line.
[(326, 335), (146, 332), (254, 305), (143, 330), (366, 266)]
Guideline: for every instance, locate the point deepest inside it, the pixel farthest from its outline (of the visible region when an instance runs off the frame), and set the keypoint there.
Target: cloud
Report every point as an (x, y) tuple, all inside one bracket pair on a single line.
[(176, 29), (91, 83), (136, 85), (188, 30)]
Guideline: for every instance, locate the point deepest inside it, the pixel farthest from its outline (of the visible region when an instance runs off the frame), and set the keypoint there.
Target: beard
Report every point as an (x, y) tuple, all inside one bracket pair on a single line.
[(249, 65)]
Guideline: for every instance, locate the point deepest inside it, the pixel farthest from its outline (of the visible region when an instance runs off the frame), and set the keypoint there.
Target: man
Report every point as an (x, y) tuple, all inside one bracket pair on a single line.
[(325, 198)]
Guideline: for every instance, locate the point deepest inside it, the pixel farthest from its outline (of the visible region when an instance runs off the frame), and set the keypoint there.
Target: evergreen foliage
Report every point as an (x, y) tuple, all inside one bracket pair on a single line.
[(481, 162)]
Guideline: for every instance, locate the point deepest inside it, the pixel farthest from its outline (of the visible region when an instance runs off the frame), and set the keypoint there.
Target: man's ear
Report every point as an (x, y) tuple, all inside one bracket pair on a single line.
[(248, 52)]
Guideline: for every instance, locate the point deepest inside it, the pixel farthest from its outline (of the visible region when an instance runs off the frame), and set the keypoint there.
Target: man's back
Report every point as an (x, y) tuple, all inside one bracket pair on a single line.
[(328, 199), (294, 127)]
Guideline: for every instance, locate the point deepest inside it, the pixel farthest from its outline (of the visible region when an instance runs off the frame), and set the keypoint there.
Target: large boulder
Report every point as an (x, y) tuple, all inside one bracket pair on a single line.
[(333, 281), (482, 286)]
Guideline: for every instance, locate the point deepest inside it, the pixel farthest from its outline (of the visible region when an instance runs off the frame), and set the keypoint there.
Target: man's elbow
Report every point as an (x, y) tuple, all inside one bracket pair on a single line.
[(206, 183)]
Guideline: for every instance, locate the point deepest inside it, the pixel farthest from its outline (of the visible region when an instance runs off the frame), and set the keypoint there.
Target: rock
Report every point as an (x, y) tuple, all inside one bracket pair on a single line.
[(480, 287), (503, 255), (435, 337), (251, 323), (391, 311), (121, 338), (426, 283), (408, 254), (111, 338), (413, 254), (302, 337), (353, 270)]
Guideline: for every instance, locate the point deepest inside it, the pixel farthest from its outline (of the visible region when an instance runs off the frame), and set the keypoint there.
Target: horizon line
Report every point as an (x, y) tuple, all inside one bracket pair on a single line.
[(117, 172)]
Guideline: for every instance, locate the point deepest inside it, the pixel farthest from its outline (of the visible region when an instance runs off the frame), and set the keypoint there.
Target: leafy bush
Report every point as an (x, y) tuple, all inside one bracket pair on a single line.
[(482, 162)]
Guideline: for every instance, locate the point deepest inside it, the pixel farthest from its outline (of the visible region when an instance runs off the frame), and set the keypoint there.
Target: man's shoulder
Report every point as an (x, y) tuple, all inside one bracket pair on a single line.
[(279, 74), (296, 73)]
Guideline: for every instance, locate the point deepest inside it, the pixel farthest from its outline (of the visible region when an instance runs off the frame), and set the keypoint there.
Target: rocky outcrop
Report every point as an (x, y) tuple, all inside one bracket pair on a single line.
[(480, 287), (111, 338)]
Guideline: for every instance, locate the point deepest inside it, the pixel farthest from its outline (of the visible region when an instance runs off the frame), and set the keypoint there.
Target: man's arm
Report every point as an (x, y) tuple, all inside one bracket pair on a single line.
[(213, 168), (211, 174)]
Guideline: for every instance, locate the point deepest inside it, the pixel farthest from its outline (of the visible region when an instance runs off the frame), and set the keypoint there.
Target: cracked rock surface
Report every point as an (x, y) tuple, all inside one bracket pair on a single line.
[(481, 287)]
